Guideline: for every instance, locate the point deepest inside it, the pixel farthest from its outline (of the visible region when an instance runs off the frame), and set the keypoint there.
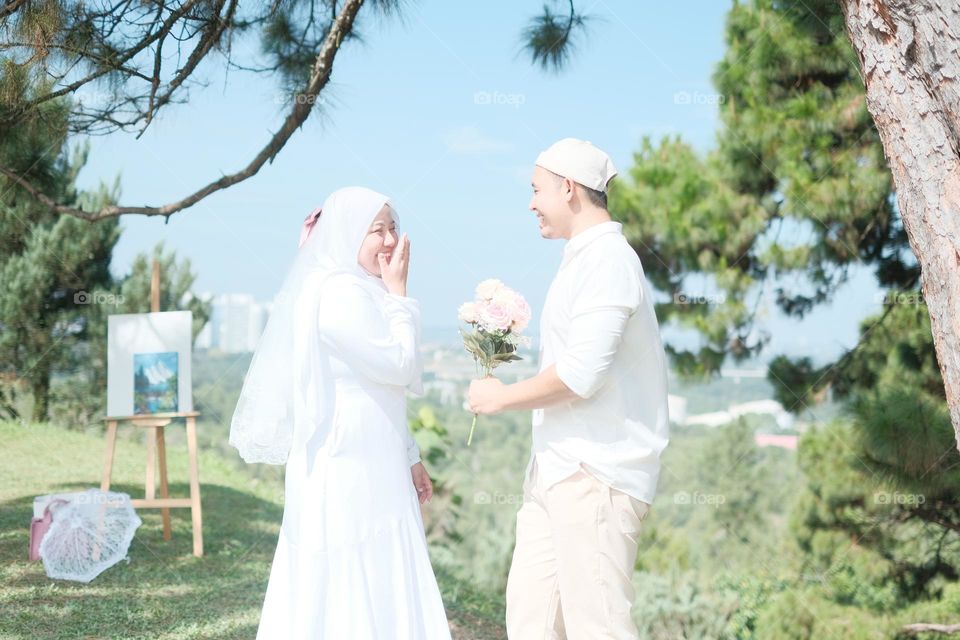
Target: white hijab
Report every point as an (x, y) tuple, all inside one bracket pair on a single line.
[(285, 389)]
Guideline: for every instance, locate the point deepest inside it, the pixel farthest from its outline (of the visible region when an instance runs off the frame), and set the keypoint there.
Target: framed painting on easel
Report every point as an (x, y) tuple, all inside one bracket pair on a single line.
[(149, 386), (148, 363)]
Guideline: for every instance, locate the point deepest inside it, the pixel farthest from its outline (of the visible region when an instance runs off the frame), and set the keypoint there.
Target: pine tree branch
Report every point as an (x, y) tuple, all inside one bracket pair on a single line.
[(210, 38), (319, 76), (550, 42), (10, 7), (169, 23), (836, 368), (130, 71)]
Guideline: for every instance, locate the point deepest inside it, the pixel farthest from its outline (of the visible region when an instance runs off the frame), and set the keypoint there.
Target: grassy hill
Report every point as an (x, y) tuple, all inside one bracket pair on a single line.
[(163, 593)]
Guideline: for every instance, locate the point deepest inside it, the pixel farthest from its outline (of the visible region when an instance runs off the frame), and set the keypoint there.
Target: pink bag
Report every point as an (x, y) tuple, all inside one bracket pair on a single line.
[(39, 527)]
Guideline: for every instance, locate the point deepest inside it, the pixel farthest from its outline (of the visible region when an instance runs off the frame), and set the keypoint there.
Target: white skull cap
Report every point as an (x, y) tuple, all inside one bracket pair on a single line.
[(580, 161)]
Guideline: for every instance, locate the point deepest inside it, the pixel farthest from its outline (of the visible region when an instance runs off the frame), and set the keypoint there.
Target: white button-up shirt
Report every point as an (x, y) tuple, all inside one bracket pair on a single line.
[(599, 328)]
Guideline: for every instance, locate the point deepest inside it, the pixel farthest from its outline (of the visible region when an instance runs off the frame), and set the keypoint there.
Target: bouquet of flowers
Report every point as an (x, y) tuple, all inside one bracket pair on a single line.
[(497, 315)]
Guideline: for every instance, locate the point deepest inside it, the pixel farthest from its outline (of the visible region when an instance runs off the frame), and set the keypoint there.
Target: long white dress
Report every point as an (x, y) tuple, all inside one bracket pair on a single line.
[(351, 560)]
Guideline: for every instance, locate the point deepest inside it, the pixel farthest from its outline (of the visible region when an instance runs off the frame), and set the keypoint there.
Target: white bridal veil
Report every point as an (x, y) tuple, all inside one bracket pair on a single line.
[(285, 389)]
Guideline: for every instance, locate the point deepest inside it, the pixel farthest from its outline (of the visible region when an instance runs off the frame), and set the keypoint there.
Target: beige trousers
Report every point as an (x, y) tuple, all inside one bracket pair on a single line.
[(572, 566)]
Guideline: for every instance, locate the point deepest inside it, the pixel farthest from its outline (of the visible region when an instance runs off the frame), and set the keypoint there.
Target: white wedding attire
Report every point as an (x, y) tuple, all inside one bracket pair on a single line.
[(325, 394)]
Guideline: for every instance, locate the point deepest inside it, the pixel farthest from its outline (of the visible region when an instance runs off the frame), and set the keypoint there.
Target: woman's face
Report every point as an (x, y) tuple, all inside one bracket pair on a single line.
[(381, 238)]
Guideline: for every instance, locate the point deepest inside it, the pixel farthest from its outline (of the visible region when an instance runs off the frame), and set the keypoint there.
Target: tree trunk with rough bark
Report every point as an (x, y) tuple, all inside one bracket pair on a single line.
[(40, 388), (909, 54)]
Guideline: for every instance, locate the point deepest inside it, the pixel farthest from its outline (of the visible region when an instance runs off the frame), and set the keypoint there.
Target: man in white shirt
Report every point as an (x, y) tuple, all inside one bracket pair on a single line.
[(600, 415)]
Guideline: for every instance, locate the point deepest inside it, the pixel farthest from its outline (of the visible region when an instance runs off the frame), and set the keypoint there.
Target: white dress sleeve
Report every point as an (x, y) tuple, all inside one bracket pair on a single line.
[(413, 451), (380, 341)]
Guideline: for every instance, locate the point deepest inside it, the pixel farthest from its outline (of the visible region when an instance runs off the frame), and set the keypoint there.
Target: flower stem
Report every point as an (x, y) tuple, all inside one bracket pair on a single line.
[(487, 373), (474, 424)]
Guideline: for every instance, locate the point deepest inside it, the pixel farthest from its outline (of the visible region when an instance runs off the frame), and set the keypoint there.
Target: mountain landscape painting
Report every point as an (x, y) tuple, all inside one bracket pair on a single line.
[(155, 378)]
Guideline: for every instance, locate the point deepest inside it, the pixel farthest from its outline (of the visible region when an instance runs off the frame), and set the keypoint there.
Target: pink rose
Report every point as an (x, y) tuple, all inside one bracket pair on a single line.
[(516, 306), (520, 313), (495, 317)]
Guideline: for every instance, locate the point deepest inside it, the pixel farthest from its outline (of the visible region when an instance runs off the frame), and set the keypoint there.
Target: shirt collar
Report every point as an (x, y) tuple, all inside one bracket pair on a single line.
[(585, 237)]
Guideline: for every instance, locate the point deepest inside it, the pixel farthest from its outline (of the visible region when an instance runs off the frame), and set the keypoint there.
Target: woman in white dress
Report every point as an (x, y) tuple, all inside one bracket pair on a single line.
[(325, 394)]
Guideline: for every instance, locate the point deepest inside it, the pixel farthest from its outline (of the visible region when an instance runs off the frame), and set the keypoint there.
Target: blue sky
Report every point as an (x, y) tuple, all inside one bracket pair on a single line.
[(440, 110)]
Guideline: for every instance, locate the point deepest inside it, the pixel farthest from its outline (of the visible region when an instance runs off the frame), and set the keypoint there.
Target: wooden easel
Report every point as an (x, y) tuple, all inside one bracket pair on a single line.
[(157, 452)]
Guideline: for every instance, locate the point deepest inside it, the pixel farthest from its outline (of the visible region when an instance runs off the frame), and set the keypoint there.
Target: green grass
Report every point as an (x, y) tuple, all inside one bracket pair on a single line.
[(164, 592)]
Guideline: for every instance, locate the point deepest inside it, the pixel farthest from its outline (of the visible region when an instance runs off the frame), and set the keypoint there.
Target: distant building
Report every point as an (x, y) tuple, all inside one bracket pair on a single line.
[(235, 325), (739, 374), (784, 419), (783, 441), (711, 419)]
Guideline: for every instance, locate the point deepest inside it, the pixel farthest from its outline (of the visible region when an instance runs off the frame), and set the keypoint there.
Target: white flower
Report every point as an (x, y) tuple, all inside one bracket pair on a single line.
[(468, 312), (487, 289), (504, 297), (517, 340)]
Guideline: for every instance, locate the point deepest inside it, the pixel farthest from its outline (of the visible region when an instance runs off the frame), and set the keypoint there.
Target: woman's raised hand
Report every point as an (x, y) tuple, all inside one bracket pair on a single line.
[(394, 271)]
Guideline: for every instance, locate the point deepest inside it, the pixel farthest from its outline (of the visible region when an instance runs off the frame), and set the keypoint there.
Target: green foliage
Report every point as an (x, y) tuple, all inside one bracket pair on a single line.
[(52, 267), (803, 614), (674, 607), (58, 290), (752, 595), (163, 591), (79, 391), (472, 517), (550, 38), (432, 437), (176, 284), (795, 193), (491, 349), (896, 348), (795, 382), (446, 505), (908, 439), (945, 610), (722, 503), (868, 539), (895, 351)]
